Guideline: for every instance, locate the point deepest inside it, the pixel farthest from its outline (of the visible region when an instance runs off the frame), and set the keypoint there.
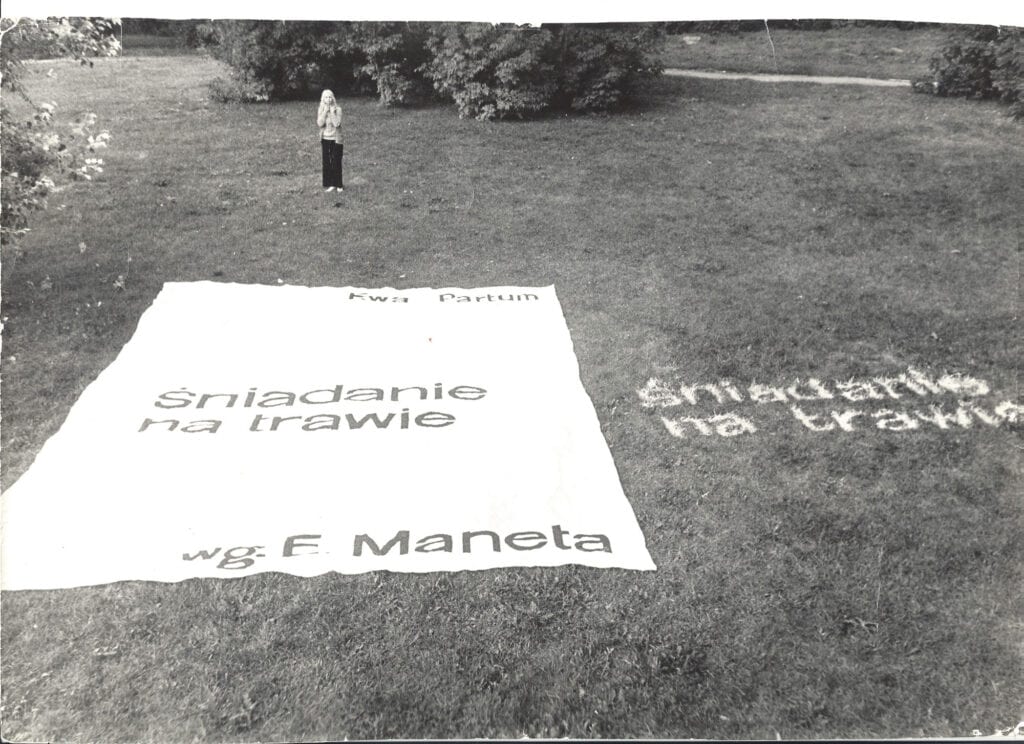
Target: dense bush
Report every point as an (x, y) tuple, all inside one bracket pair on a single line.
[(286, 59), (395, 54), (981, 62), (504, 71), (26, 180), (297, 59), (492, 71), (601, 67)]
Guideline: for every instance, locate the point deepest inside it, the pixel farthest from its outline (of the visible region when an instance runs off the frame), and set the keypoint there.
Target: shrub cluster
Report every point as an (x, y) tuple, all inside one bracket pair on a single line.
[(39, 159), (488, 71), (983, 62)]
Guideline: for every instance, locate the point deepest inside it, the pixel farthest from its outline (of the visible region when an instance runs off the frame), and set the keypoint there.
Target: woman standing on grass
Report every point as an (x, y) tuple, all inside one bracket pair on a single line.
[(328, 118)]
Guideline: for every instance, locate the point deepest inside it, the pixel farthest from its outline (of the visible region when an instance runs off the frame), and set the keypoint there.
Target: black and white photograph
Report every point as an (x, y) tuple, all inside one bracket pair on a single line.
[(511, 372)]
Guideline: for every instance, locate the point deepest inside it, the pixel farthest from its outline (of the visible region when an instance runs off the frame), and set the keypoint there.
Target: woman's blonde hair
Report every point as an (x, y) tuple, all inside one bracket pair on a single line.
[(327, 92)]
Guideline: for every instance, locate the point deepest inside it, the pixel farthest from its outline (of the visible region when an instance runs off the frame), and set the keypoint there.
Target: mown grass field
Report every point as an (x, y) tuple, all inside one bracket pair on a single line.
[(846, 584), (856, 51), (150, 45)]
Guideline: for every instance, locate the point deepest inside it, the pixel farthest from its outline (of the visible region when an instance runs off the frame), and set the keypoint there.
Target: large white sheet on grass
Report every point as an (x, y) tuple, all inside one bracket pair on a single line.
[(242, 430)]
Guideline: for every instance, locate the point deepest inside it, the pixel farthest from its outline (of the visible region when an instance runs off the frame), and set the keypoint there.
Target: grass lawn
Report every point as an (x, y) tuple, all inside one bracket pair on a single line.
[(859, 584), (857, 51), (150, 45)]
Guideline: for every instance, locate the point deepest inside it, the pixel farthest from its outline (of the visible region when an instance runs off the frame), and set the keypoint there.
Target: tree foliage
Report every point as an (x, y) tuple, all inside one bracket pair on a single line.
[(39, 153), (982, 62), (394, 56), (603, 66), (282, 60), (493, 71)]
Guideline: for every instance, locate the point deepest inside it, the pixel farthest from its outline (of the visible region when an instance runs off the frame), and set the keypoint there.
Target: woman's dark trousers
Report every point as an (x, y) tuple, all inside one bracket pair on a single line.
[(332, 152)]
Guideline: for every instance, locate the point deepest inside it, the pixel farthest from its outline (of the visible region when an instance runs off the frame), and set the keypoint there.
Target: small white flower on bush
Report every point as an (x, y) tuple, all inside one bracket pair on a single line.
[(44, 112), (80, 128), (99, 141), (50, 140), (89, 167)]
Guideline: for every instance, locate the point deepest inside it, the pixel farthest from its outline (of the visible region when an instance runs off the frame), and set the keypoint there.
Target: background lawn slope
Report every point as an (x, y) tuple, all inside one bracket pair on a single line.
[(848, 584), (854, 51)]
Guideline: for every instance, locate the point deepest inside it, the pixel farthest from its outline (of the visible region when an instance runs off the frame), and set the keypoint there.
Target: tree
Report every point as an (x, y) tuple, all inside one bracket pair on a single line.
[(38, 154)]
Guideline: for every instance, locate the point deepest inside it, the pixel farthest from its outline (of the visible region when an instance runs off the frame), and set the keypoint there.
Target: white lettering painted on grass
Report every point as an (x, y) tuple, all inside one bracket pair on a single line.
[(725, 425), (815, 404)]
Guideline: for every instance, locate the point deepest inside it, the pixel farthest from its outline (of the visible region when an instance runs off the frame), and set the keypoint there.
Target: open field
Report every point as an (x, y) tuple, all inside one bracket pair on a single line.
[(855, 51), (149, 45), (809, 584)]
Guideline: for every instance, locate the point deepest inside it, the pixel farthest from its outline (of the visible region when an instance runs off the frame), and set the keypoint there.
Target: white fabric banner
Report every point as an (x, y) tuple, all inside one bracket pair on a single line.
[(249, 428)]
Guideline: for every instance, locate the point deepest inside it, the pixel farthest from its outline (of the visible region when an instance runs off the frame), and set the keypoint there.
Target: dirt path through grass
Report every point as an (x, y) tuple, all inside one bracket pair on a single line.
[(773, 78)]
